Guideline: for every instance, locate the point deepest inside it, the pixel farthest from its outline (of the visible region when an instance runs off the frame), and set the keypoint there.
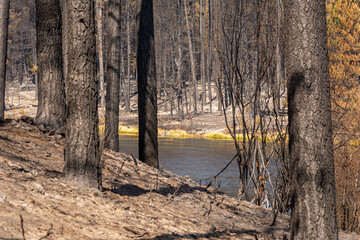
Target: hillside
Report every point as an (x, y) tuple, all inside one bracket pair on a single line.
[(139, 202)]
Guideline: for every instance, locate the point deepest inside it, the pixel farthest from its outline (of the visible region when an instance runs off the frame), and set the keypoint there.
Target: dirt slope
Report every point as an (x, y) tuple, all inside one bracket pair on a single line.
[(139, 202)]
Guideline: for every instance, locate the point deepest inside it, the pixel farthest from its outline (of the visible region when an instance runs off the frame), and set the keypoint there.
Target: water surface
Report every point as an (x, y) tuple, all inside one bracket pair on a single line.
[(198, 158)]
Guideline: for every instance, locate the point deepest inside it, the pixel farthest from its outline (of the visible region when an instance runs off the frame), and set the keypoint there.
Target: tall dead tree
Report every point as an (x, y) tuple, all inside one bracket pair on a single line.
[(82, 156), (99, 6), (51, 89), (313, 214), (179, 63), (113, 24), (4, 17), (147, 86), (64, 21), (202, 56), (192, 60), (210, 52), (127, 90), (279, 69)]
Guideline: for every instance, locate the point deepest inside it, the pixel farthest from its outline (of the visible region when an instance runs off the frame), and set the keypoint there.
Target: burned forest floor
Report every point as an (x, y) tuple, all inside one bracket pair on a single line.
[(20, 100), (139, 202)]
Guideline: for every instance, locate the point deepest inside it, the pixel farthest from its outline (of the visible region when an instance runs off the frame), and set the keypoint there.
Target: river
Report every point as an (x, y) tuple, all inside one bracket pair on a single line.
[(198, 158)]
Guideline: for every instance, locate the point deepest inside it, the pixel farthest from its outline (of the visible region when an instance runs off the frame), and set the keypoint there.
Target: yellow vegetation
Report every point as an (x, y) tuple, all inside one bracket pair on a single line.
[(123, 130), (344, 55), (33, 69), (179, 133), (15, 113), (218, 135)]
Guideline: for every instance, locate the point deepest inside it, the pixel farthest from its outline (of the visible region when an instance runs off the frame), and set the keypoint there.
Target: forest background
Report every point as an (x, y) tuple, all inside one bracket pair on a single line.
[(194, 48)]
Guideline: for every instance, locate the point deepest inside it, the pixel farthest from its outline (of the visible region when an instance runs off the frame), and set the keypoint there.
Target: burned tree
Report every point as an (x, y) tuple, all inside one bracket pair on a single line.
[(147, 103), (4, 17), (51, 95), (313, 214), (113, 20), (82, 156)]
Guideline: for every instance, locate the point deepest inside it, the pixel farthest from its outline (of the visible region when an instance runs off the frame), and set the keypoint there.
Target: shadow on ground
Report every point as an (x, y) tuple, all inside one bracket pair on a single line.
[(213, 234), (132, 190)]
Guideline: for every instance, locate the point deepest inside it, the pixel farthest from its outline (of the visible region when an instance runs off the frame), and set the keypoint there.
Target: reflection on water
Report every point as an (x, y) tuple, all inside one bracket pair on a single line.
[(197, 158)]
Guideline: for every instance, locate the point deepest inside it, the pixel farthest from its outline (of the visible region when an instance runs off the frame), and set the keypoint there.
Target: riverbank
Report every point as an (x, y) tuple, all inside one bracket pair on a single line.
[(172, 133), (139, 202), (20, 100)]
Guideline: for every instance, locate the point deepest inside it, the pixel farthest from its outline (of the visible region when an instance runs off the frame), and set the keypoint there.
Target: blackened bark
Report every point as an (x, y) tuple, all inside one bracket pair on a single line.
[(82, 156), (64, 20), (275, 86), (210, 52), (179, 65), (113, 25), (313, 214), (127, 90), (36, 64), (100, 48), (51, 95), (148, 142), (4, 17), (202, 56), (192, 60)]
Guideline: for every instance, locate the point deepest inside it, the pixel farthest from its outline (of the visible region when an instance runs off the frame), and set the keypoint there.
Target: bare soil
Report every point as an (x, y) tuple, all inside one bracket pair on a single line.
[(199, 124), (139, 202)]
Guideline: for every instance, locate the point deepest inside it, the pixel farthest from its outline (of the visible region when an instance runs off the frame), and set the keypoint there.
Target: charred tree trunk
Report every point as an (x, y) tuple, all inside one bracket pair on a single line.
[(179, 66), (210, 52), (127, 90), (36, 76), (202, 57), (217, 68), (192, 60), (279, 73), (173, 79), (100, 49), (122, 75), (313, 214), (146, 68), (113, 25), (4, 17), (82, 156), (51, 95), (64, 20), (165, 83)]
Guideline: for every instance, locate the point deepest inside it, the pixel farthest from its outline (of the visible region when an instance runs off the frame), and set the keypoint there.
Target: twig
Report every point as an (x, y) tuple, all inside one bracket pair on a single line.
[(136, 165), (176, 191), (216, 186), (122, 165), (22, 227), (227, 165), (275, 214), (170, 198), (209, 179), (208, 212), (207, 186), (48, 233), (142, 234), (157, 180)]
